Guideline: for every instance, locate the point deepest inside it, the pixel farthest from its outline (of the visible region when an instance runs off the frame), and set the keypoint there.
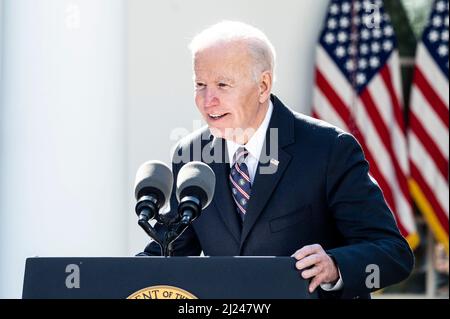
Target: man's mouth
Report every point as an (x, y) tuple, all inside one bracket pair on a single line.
[(217, 116)]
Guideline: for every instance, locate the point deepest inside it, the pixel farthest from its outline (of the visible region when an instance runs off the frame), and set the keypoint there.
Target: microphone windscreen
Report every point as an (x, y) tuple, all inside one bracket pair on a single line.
[(196, 175), (151, 176)]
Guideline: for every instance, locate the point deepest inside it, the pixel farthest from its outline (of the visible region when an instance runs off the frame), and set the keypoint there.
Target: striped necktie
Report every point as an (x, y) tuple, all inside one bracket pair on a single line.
[(240, 182)]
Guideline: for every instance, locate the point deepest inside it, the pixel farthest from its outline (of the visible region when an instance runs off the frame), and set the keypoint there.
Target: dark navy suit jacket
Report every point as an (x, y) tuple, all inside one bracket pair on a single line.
[(321, 193)]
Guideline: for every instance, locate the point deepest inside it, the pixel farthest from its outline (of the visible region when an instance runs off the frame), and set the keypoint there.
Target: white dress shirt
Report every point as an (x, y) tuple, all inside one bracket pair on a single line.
[(254, 147)]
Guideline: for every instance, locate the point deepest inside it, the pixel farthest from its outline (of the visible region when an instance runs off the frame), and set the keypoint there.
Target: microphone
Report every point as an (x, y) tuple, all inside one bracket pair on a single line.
[(153, 186), (195, 189)]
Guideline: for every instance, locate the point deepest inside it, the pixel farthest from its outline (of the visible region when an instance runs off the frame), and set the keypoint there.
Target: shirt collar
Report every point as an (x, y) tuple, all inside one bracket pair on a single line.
[(256, 142)]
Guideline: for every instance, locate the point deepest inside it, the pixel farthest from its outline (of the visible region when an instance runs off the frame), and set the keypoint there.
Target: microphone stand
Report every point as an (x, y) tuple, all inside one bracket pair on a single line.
[(176, 226)]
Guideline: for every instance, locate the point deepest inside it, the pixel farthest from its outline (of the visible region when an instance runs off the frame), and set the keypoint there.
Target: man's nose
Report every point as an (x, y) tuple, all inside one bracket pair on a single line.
[(211, 98)]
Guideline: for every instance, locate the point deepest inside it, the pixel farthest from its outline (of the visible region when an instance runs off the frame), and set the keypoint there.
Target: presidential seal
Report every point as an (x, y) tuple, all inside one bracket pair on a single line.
[(161, 292)]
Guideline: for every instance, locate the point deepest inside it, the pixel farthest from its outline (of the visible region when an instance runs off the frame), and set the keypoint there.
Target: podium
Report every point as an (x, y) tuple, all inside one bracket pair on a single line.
[(165, 278)]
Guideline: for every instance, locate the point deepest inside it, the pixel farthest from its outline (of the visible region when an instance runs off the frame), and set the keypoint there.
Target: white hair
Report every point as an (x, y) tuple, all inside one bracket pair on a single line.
[(261, 49)]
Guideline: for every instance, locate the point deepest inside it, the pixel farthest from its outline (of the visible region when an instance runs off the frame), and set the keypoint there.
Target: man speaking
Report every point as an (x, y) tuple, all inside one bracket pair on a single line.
[(286, 184)]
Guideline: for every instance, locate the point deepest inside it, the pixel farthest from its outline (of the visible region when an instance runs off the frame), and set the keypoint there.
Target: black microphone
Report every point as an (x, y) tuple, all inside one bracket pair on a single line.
[(196, 182), (153, 186)]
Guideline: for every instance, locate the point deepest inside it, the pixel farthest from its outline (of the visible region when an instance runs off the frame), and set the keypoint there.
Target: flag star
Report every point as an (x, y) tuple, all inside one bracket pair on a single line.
[(342, 37), (350, 65), (351, 50), (437, 21), (374, 62), (344, 22), (362, 64), (433, 36), (365, 34), (375, 47), (364, 48), (443, 50), (334, 9), (357, 6), (386, 17), (377, 33), (388, 31), (332, 24), (444, 36), (340, 51), (346, 7), (387, 45), (330, 38), (360, 78), (440, 6), (446, 21)]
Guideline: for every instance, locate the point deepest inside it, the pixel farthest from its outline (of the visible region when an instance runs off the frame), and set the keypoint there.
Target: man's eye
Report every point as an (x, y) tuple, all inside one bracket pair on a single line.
[(199, 85), (222, 85)]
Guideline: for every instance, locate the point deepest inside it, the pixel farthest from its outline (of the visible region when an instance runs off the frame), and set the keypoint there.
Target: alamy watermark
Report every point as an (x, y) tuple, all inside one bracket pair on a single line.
[(73, 277), (211, 151), (372, 18), (72, 18), (373, 277)]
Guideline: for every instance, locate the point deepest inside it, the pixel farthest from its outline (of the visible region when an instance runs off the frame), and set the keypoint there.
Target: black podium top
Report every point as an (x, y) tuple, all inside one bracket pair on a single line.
[(159, 278)]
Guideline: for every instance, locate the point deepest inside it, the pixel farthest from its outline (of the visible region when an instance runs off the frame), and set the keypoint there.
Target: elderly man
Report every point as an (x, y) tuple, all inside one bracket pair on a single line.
[(286, 184)]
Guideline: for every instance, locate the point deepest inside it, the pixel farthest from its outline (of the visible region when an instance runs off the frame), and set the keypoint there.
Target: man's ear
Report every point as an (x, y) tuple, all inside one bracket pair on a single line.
[(265, 86)]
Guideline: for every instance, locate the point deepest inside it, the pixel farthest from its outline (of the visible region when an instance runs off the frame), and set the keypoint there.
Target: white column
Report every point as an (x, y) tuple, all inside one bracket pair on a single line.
[(62, 133)]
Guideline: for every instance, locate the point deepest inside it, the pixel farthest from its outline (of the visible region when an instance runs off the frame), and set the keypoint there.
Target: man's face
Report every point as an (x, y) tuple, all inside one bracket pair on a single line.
[(226, 93)]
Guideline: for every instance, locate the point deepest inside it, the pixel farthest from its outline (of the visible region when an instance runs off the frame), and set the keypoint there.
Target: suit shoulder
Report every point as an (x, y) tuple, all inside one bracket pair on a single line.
[(318, 133)]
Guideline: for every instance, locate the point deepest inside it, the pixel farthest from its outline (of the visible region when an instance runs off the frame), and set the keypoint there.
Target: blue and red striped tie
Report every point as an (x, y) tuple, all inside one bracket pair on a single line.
[(240, 182)]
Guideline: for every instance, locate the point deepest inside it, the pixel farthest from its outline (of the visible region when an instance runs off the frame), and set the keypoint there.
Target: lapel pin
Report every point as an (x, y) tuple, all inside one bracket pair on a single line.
[(274, 162)]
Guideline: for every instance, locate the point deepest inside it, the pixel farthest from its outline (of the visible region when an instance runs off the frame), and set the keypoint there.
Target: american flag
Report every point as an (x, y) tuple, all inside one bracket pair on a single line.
[(358, 88), (429, 131)]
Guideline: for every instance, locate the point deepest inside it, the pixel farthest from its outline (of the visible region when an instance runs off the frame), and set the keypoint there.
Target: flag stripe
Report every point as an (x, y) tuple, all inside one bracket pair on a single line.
[(333, 98), (432, 73), (379, 156), (430, 146), (398, 112), (397, 135), (396, 80), (430, 121), (430, 173), (430, 95), (383, 133), (323, 110)]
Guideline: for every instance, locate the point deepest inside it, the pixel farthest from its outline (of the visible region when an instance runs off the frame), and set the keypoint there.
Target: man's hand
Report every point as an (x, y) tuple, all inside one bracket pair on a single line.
[(315, 262)]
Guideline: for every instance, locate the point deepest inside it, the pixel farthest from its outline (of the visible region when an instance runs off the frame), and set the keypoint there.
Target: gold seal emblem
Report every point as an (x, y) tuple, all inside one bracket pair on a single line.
[(161, 292)]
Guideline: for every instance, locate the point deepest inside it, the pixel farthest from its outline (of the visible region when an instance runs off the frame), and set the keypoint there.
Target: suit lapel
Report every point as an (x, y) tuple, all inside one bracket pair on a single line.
[(223, 200), (266, 181)]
